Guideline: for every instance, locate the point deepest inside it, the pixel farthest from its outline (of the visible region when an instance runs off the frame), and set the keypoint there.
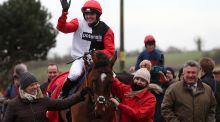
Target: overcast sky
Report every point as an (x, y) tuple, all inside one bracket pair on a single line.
[(172, 22)]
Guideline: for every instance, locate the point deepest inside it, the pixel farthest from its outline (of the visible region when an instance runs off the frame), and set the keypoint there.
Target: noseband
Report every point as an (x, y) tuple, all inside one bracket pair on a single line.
[(101, 100)]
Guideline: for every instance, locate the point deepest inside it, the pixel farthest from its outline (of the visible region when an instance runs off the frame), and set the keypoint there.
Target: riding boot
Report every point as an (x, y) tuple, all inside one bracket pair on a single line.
[(67, 86)]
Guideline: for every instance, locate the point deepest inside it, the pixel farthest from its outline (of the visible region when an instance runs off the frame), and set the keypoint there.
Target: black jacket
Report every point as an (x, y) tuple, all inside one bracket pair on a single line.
[(209, 80), (22, 110)]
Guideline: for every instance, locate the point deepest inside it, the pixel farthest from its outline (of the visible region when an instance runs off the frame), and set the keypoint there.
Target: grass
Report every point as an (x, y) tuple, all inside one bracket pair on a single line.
[(177, 59)]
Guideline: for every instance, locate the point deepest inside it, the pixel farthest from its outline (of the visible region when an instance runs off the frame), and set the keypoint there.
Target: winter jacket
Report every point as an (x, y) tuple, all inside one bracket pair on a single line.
[(182, 104), (156, 57), (99, 37), (139, 108), (209, 80), (43, 86), (22, 110), (159, 97), (11, 91), (217, 97)]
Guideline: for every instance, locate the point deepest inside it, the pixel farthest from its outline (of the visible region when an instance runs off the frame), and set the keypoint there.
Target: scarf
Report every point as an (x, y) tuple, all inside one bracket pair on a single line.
[(30, 97), (134, 93)]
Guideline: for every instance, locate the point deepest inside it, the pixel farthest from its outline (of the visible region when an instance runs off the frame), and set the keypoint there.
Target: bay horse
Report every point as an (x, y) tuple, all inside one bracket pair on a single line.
[(97, 107)]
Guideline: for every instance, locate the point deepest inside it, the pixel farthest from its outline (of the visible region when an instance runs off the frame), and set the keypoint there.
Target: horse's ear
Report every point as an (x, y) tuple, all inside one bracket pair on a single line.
[(113, 59)]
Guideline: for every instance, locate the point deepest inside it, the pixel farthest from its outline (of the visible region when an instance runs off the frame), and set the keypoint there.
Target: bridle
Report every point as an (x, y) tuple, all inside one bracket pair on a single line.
[(98, 101)]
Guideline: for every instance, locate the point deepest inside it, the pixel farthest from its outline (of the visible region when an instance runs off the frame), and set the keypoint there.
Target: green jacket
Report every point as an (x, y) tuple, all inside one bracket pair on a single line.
[(181, 104)]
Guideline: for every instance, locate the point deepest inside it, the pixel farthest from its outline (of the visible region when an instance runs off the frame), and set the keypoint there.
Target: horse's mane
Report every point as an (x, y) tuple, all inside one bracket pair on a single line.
[(102, 61)]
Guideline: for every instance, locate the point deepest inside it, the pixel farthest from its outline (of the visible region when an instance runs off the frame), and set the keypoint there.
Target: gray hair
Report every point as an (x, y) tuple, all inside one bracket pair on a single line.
[(19, 69), (191, 63)]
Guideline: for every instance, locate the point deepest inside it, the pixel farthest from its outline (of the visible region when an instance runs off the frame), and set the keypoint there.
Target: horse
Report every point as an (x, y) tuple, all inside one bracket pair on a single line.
[(96, 107)]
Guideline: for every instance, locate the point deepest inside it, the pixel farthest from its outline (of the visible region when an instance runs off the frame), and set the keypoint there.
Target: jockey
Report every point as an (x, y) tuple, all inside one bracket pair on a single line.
[(89, 33), (152, 54)]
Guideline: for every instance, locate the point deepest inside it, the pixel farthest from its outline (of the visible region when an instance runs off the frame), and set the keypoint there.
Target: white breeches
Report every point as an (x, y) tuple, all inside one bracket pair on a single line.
[(76, 69)]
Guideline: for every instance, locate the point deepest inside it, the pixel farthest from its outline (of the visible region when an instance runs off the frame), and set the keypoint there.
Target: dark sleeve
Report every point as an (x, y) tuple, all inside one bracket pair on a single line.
[(60, 104), (43, 87), (212, 110), (209, 81), (217, 96), (10, 113)]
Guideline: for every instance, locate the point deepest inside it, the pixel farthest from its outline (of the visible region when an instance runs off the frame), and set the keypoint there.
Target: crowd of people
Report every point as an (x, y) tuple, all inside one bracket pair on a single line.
[(155, 94)]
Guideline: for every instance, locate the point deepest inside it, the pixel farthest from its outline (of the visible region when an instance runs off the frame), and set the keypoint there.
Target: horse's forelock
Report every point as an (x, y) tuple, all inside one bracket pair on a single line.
[(102, 61)]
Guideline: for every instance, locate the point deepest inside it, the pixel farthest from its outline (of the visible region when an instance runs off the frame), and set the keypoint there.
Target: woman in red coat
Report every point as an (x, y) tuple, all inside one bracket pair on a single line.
[(137, 103)]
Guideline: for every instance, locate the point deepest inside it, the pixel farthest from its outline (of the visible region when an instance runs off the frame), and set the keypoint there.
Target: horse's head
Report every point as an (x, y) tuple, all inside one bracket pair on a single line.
[(100, 80)]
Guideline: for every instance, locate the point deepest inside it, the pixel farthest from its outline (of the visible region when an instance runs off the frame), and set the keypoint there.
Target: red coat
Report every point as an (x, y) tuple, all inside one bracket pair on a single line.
[(54, 89), (140, 108)]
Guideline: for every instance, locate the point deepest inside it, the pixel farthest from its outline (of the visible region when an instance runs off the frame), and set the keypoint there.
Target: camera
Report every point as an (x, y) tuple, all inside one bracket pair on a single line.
[(155, 75)]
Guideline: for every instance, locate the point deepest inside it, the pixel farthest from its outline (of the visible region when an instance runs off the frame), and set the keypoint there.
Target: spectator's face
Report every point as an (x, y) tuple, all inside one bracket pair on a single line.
[(32, 89), (190, 74), (52, 71), (169, 75), (217, 76), (140, 81)]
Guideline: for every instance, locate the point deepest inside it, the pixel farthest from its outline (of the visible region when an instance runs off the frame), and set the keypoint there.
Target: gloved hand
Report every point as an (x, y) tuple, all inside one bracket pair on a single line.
[(65, 5), (88, 59), (85, 91)]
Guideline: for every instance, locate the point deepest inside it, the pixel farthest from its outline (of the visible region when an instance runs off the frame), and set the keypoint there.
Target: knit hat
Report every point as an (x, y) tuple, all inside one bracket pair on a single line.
[(171, 70), (143, 73), (19, 69), (146, 64), (27, 79)]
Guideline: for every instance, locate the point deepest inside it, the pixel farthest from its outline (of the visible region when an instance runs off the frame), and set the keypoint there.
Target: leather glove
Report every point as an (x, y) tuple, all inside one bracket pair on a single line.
[(85, 91), (65, 5)]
